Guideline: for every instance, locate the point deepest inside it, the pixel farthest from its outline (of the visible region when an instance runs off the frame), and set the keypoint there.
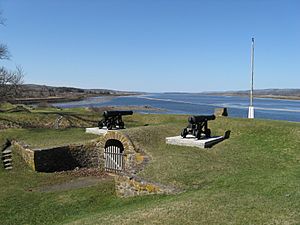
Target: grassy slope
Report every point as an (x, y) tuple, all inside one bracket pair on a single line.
[(252, 178), (46, 137)]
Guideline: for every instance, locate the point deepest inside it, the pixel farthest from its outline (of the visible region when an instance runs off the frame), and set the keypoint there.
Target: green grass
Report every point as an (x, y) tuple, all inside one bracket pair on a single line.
[(6, 106), (20, 205), (251, 178), (46, 117), (42, 137), (74, 117)]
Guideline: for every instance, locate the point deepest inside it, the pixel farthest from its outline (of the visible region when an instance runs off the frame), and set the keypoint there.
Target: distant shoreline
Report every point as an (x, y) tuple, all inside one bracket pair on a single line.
[(34, 94), (74, 98), (279, 97), (57, 99)]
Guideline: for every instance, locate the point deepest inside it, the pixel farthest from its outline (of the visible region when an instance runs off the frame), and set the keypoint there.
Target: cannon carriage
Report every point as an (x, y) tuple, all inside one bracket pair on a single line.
[(113, 119), (198, 126)]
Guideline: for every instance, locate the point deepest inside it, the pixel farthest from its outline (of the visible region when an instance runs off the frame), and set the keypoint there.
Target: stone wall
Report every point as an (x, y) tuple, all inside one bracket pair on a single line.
[(129, 149), (91, 154), (127, 186), (26, 153), (61, 158), (88, 155), (54, 159)]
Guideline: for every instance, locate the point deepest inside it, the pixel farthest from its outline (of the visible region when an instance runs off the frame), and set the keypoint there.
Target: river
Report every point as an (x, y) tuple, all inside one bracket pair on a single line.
[(182, 103)]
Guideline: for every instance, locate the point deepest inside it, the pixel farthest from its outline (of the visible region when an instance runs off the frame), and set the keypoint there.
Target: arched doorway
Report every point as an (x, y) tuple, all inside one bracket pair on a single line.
[(114, 156)]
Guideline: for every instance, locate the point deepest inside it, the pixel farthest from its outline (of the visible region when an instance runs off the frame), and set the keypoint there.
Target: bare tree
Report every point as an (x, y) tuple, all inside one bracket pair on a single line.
[(4, 53), (10, 81)]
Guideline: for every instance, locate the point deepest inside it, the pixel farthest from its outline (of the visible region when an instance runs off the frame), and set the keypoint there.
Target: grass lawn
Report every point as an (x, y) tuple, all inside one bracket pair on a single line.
[(42, 137), (251, 178)]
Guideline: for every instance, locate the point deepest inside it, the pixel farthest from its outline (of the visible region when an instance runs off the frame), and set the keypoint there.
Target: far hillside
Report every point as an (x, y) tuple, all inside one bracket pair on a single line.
[(33, 93), (264, 93)]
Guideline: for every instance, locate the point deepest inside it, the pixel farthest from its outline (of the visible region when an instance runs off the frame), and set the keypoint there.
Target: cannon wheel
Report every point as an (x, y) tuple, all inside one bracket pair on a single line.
[(195, 132), (184, 133), (208, 133), (100, 124), (121, 125), (198, 134), (109, 126)]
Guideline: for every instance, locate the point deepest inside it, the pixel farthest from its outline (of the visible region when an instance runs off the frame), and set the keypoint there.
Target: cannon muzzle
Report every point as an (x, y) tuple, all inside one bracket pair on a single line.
[(117, 113), (200, 119)]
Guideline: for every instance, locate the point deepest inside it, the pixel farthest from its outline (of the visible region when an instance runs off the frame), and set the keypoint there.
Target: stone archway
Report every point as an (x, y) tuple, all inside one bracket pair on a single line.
[(128, 150), (113, 156)]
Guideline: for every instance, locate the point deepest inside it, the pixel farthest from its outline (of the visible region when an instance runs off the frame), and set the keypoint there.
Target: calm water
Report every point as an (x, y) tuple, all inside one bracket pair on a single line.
[(199, 104)]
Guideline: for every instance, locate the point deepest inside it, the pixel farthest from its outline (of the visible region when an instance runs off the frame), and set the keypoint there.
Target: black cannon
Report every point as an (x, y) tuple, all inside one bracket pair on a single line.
[(113, 119), (198, 126)]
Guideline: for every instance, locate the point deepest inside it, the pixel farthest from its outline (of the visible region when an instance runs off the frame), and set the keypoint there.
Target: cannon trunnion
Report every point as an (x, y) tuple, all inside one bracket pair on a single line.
[(113, 119), (198, 126)]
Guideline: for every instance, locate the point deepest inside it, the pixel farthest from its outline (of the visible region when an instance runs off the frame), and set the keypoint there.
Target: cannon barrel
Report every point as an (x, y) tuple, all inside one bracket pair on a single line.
[(200, 119), (117, 113)]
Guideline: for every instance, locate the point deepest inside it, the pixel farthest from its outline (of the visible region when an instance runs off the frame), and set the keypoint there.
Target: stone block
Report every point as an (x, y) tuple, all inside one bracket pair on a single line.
[(96, 130), (193, 142)]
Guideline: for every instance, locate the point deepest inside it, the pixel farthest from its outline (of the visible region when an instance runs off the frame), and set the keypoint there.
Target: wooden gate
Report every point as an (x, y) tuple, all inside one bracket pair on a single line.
[(114, 156)]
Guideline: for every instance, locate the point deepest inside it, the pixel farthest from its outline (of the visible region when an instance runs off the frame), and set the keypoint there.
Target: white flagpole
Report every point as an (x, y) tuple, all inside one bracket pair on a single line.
[(251, 107)]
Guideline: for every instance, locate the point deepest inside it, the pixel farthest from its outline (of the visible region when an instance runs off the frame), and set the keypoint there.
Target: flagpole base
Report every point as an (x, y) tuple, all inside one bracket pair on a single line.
[(251, 112)]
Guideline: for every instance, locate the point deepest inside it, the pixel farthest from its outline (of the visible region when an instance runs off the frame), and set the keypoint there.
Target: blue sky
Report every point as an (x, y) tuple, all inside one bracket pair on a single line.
[(154, 45)]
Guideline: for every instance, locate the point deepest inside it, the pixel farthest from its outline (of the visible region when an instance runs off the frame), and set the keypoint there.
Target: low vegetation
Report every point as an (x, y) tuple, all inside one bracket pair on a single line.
[(251, 178), (22, 116), (47, 116)]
